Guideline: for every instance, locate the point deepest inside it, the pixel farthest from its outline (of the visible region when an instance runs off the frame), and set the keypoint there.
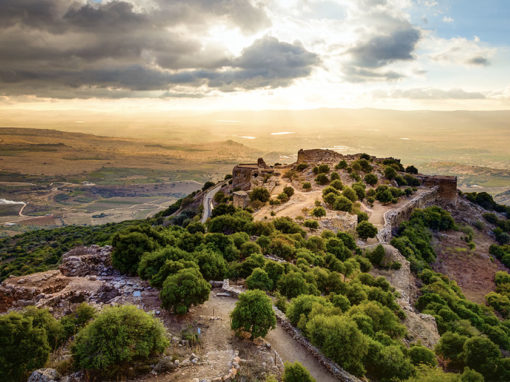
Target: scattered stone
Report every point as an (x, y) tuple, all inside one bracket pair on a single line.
[(164, 364), (44, 375)]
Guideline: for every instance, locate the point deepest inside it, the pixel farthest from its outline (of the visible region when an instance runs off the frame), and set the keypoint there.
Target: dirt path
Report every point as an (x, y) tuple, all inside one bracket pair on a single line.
[(216, 350), (290, 351)]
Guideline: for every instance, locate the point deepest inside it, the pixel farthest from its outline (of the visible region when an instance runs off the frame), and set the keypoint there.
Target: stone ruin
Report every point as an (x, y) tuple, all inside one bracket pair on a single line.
[(241, 199), (85, 275), (447, 186), (243, 173), (318, 155)]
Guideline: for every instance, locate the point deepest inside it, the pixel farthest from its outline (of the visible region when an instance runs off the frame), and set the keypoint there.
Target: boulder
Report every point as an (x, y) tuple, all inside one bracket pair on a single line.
[(45, 375)]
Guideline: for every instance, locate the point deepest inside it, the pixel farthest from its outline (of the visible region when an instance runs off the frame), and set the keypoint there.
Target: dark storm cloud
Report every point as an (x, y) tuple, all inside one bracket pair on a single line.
[(394, 40), (382, 50), (49, 47)]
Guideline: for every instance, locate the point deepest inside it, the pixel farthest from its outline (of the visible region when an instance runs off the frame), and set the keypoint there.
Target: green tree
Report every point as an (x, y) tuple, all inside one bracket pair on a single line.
[(371, 179), (253, 314), (42, 318), (295, 372), (207, 185), (366, 230), (411, 170), (319, 212), (350, 194), (185, 288), (322, 179), (71, 323), (23, 347), (337, 184), (341, 165), (421, 355), (289, 191), (259, 279), (116, 338), (260, 193), (307, 186), (482, 355), (292, 284), (128, 248), (343, 204), (212, 264), (390, 173), (340, 339)]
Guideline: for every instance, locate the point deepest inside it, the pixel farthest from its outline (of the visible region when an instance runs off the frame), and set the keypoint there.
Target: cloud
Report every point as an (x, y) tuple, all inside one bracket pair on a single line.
[(479, 60), (447, 19), (381, 50), (391, 39), (459, 51), (267, 63), (430, 94), (110, 48)]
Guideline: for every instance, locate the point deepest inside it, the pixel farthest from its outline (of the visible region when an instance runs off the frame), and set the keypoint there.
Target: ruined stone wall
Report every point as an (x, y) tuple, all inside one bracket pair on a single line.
[(241, 199), (318, 155), (393, 218), (447, 186), (241, 177)]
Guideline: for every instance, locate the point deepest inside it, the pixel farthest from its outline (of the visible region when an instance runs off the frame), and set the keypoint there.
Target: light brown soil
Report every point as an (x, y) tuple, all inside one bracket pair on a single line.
[(473, 270)]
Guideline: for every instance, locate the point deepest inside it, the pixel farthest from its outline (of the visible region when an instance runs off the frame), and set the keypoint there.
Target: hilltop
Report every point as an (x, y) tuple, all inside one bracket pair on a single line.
[(374, 270)]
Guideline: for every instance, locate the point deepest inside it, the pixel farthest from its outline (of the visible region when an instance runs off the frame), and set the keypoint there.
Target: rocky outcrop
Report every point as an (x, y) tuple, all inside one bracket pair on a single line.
[(85, 275), (339, 221), (83, 261), (45, 375), (421, 327)]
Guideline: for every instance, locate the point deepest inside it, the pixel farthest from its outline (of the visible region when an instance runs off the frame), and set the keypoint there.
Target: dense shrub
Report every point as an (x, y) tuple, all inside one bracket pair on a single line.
[(343, 204), (322, 179), (116, 338), (23, 347), (339, 339), (253, 314), (422, 355), (260, 193), (259, 279), (390, 173), (185, 288), (350, 194), (366, 230), (128, 249), (341, 165), (295, 372), (319, 212)]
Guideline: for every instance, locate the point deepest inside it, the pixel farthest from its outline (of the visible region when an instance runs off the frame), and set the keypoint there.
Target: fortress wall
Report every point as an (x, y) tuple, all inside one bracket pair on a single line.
[(318, 155), (447, 186), (393, 218), (241, 177)]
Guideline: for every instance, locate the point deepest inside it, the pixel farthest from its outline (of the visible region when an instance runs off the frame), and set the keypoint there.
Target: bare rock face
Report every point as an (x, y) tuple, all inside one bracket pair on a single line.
[(83, 261), (341, 221), (421, 327), (45, 375), (85, 275)]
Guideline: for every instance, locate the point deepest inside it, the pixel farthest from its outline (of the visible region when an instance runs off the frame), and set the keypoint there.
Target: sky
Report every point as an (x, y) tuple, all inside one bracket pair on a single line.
[(142, 55)]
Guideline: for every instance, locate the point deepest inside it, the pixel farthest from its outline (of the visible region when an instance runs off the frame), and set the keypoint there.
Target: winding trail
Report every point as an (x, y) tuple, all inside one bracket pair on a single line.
[(207, 203), (290, 351)]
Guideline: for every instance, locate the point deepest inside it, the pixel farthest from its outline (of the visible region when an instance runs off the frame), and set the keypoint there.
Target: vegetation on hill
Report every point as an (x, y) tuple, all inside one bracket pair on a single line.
[(321, 282), (41, 250)]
